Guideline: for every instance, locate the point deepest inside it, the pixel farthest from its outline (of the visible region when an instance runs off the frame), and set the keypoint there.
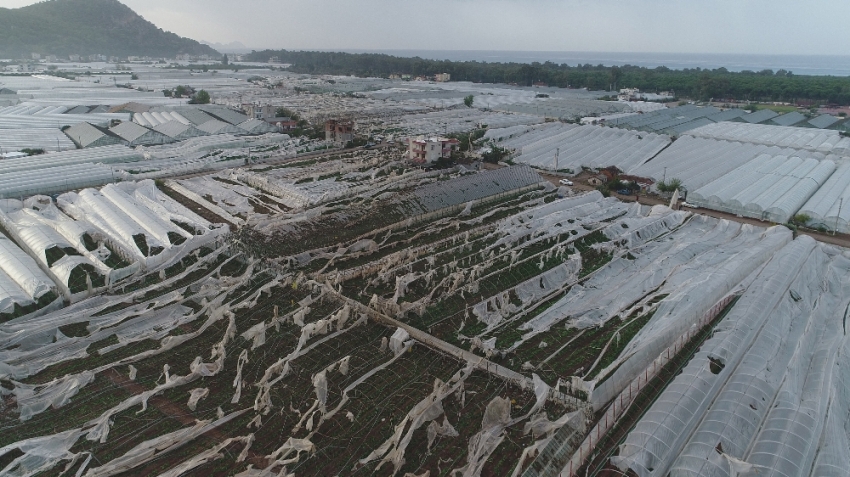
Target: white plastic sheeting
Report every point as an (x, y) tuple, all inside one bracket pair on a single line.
[(56, 179), (698, 161), (770, 188), (829, 207), (767, 387), (23, 270), (129, 214), (588, 146), (810, 139)]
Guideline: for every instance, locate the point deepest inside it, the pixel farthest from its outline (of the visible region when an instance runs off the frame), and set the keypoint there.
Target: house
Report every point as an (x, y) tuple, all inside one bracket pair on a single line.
[(597, 180), (339, 131), (423, 150), (283, 123), (258, 111), (629, 94), (442, 77)]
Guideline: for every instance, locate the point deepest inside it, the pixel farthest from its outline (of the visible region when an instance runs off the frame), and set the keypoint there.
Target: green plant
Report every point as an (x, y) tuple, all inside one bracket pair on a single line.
[(801, 219), (468, 101), (201, 97)]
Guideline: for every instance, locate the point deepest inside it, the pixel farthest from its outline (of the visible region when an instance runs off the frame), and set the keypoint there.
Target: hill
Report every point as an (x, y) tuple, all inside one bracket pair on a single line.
[(85, 27)]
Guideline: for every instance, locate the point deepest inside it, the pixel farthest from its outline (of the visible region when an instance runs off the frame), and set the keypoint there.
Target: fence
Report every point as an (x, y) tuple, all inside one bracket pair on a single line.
[(623, 402)]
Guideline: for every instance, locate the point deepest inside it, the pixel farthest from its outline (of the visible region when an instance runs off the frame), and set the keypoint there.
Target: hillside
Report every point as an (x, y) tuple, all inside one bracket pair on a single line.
[(85, 27)]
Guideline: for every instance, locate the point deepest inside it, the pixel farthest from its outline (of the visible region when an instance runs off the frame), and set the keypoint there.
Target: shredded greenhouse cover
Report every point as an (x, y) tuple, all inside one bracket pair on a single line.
[(424, 338)]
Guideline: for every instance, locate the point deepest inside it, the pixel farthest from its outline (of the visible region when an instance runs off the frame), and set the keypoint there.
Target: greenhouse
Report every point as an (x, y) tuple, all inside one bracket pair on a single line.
[(769, 188), (35, 138), (135, 135), (24, 183), (257, 126), (586, 146), (88, 135), (214, 127), (819, 140), (143, 225), (764, 392), (22, 269), (829, 207), (178, 131)]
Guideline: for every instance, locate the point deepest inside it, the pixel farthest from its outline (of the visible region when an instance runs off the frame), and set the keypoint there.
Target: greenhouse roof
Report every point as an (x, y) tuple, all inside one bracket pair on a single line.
[(759, 116), (789, 119), (824, 121)]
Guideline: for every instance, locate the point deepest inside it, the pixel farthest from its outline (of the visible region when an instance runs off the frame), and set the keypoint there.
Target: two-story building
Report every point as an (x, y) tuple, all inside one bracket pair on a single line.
[(339, 131), (422, 150), (258, 111)]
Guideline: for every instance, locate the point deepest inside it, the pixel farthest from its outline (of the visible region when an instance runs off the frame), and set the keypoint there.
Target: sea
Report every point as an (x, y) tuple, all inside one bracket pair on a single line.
[(818, 65)]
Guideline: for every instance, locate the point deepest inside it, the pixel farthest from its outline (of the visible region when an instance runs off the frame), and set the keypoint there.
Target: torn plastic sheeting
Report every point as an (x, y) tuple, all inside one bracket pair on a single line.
[(40, 454), (151, 449), (208, 455), (694, 296), (426, 410), (398, 341), (528, 291), (237, 381), (151, 197), (279, 456), (496, 418), (195, 396), (320, 382), (35, 399), (256, 334)]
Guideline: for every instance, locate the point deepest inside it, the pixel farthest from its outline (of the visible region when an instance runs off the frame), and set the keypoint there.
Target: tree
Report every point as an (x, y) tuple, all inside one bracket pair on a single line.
[(224, 59), (201, 97), (669, 186), (800, 219), (495, 154), (468, 101), (614, 76), (287, 113), (181, 91)]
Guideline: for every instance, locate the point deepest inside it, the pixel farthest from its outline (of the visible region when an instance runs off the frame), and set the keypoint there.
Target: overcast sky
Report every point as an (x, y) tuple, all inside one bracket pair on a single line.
[(675, 26)]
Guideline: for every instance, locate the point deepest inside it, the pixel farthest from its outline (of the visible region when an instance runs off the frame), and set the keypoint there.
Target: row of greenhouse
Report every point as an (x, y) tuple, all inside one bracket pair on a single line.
[(80, 244), (769, 183)]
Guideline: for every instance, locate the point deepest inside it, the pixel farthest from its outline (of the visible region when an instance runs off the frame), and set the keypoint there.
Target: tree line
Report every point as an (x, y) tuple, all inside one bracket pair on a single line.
[(696, 83)]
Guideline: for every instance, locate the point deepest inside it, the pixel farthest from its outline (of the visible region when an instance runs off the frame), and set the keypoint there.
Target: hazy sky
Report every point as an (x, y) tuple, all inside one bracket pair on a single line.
[(690, 26)]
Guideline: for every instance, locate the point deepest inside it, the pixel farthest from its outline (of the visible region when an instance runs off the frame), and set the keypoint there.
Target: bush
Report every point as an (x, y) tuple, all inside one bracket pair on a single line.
[(801, 219)]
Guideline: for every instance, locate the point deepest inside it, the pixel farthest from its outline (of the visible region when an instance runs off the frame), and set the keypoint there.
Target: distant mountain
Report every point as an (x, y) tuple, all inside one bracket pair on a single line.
[(232, 47), (86, 27)]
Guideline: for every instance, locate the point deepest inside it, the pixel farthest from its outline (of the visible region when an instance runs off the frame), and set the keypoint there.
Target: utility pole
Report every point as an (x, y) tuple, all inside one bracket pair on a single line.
[(664, 179), (840, 205), (557, 153)]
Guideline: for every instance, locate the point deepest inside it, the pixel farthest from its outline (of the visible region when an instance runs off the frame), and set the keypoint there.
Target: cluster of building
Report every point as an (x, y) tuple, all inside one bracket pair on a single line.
[(439, 77)]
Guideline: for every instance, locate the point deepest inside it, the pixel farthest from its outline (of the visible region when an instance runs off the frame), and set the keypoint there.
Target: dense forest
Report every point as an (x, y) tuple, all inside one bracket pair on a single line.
[(696, 83)]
